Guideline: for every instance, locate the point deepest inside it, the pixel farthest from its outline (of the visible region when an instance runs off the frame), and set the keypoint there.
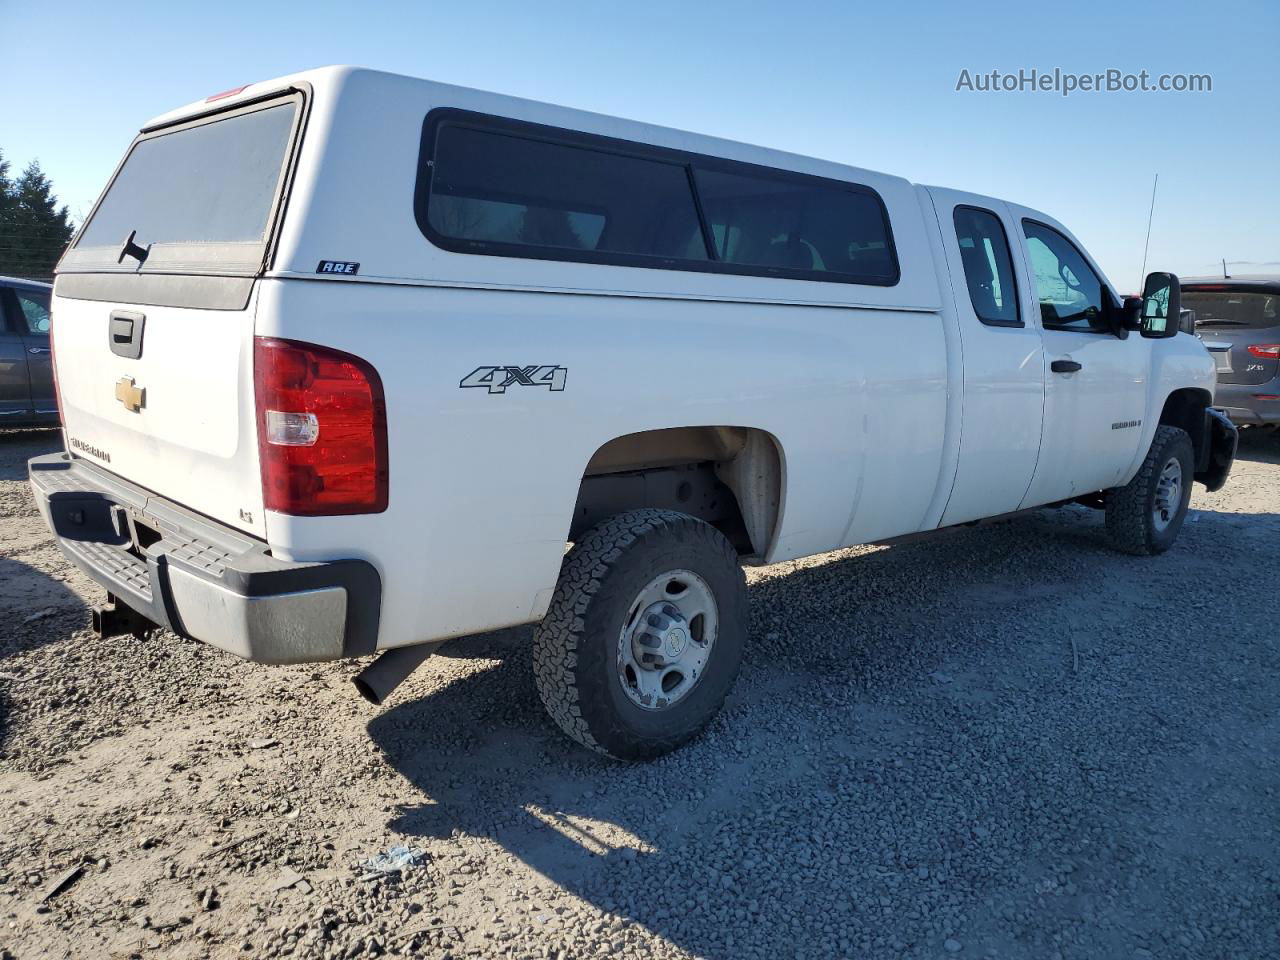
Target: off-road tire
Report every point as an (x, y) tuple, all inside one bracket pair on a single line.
[(1130, 526), (575, 646)]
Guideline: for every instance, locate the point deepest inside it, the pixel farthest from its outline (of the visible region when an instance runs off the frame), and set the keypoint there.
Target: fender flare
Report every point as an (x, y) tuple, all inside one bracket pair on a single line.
[(1218, 455)]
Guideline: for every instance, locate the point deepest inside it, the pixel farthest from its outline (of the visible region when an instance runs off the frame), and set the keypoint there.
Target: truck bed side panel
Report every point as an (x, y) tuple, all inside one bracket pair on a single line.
[(483, 484)]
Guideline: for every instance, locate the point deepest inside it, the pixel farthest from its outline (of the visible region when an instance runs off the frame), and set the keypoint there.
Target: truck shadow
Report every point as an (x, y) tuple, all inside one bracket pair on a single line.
[(676, 845)]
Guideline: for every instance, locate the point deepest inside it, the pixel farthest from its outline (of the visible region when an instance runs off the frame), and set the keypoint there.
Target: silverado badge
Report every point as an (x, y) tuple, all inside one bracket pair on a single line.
[(130, 394)]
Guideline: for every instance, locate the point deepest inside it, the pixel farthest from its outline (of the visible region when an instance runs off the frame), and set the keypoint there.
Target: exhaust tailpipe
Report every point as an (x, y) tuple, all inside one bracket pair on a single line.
[(376, 681)]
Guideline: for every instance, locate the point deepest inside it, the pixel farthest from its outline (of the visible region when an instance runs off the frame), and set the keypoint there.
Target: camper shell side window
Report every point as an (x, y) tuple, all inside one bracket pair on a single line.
[(500, 187)]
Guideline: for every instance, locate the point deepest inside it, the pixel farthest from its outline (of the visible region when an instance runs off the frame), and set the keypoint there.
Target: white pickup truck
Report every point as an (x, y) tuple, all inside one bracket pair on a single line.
[(347, 359)]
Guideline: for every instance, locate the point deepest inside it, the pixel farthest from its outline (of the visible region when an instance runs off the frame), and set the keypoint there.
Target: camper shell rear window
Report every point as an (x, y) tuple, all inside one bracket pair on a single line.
[(501, 187), (199, 197)]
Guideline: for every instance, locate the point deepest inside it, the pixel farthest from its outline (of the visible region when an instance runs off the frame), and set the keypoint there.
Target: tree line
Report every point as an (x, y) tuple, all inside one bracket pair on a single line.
[(34, 230)]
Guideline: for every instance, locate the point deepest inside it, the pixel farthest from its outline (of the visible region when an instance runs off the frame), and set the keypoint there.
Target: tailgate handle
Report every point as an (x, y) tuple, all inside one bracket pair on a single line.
[(124, 334)]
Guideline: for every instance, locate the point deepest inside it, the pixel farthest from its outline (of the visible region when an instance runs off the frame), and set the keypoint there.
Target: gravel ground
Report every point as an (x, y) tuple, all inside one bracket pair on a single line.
[(1004, 742)]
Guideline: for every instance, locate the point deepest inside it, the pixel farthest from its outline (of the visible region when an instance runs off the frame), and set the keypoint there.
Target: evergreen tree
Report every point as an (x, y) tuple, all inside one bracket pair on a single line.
[(34, 230), (6, 202)]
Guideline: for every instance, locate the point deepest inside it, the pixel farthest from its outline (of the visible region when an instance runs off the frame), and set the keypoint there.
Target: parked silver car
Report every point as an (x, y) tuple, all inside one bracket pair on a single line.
[(26, 366), (1238, 318)]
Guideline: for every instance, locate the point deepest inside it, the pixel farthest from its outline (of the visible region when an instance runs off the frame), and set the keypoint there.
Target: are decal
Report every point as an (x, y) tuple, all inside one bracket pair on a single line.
[(345, 267)]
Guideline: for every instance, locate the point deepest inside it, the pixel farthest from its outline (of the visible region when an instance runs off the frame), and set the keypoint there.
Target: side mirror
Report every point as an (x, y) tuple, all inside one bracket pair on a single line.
[(1161, 306)]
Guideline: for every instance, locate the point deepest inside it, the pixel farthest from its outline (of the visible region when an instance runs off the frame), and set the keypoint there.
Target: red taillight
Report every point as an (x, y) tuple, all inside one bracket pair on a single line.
[(1267, 351), (322, 430)]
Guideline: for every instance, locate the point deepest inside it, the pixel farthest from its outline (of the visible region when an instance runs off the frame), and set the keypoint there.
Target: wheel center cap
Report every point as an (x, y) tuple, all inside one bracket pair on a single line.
[(677, 640)]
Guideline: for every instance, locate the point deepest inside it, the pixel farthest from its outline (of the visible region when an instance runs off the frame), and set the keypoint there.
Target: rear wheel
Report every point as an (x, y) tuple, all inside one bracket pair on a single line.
[(1145, 515), (644, 635)]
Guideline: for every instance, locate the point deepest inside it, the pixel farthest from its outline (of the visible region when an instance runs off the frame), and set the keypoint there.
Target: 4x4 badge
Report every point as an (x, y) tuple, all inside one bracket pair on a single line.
[(497, 379)]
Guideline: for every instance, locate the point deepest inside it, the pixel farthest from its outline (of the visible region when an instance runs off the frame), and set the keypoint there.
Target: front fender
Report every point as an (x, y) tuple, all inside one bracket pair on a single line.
[(1178, 363)]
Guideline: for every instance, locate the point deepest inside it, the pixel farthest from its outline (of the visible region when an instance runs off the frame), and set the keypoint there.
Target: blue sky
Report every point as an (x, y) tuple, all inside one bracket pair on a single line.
[(871, 84)]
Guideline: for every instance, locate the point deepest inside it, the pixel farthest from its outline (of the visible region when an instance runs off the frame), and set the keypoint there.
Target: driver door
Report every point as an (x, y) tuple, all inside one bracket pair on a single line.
[(1095, 382)]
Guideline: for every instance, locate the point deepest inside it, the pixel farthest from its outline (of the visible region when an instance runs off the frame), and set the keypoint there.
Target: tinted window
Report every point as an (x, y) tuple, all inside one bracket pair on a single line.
[(1233, 310), (796, 224), (1070, 293), (495, 188), (508, 188), (33, 306), (988, 266), (212, 183)]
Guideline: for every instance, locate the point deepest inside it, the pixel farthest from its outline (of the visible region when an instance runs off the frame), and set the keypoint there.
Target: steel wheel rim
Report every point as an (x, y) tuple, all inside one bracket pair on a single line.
[(1168, 498), (666, 640)]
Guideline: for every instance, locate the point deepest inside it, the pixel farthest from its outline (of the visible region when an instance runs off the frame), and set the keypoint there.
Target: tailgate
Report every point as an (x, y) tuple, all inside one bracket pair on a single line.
[(153, 313), (177, 419)]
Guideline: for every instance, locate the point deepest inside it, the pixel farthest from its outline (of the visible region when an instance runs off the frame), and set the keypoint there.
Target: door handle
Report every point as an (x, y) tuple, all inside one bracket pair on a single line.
[(1064, 366), (37, 350)]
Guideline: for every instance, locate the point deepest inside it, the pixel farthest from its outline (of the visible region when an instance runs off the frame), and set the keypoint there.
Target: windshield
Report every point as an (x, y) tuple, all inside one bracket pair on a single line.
[(1227, 308), (212, 183)]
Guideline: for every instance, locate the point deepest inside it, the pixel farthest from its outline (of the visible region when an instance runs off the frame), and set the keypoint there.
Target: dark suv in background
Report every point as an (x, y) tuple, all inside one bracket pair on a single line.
[(1238, 318), (26, 368)]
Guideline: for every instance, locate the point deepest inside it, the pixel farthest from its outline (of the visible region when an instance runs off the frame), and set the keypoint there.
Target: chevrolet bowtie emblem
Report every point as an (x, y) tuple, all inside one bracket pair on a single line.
[(132, 396)]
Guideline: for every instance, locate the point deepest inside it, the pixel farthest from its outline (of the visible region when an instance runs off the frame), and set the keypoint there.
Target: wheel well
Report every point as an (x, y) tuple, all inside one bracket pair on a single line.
[(730, 477), (1185, 409)]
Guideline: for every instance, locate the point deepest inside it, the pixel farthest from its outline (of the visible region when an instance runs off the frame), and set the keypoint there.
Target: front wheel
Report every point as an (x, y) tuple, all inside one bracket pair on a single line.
[(1145, 515), (644, 635)]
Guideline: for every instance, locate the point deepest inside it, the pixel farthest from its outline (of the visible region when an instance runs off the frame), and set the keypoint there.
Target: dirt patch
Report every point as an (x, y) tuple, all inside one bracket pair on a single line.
[(1006, 742)]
